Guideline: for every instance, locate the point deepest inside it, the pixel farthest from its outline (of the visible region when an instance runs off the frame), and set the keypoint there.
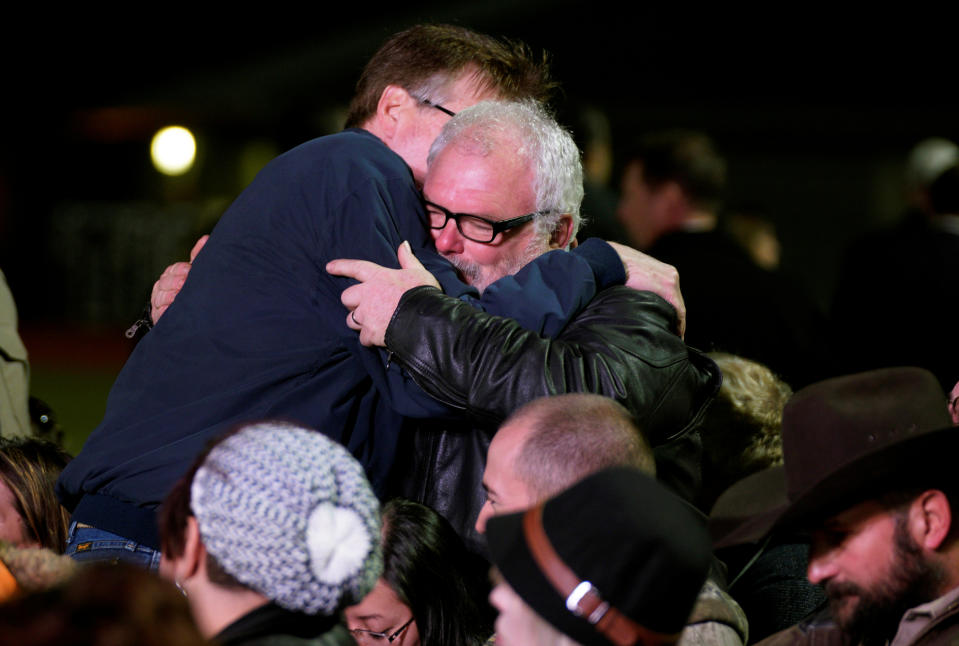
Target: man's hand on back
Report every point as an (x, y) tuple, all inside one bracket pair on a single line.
[(373, 301), (645, 273), (171, 282)]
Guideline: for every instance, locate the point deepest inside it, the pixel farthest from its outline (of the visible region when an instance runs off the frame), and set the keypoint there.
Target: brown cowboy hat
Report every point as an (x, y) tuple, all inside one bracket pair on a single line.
[(844, 440)]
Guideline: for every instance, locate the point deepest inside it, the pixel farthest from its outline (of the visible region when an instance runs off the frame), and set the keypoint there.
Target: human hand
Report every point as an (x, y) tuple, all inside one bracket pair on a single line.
[(373, 301), (171, 282), (645, 273)]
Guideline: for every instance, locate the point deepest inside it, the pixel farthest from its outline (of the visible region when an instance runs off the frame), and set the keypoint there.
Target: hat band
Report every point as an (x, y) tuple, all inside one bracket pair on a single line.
[(582, 597)]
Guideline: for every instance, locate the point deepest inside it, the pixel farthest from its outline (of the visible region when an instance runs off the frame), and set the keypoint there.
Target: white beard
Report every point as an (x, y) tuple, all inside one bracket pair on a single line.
[(482, 276)]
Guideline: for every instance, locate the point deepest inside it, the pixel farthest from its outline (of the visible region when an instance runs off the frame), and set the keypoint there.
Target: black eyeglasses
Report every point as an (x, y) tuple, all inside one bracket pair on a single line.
[(438, 107), (371, 636), (473, 227)]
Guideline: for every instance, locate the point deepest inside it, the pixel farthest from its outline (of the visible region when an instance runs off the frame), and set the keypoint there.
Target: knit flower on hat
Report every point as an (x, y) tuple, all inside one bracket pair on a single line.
[(339, 542)]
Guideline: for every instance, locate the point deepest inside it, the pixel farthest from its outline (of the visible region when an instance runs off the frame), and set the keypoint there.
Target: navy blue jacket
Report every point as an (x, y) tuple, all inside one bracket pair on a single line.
[(258, 330)]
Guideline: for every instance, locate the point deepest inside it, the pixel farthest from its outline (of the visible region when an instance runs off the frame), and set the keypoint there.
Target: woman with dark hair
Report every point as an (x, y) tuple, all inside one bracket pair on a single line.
[(30, 514), (424, 596)]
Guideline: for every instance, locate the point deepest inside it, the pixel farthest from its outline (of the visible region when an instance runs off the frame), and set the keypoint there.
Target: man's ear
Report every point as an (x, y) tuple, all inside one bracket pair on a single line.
[(563, 233), (930, 519), (389, 111), (193, 559)]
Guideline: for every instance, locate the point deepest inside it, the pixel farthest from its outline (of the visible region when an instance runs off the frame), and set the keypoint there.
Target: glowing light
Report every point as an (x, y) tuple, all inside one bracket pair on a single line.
[(173, 150)]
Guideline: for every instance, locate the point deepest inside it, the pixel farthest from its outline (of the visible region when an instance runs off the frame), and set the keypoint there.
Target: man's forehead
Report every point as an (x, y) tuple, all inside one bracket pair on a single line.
[(466, 90), (486, 185), (512, 435), (855, 517), (504, 449), (471, 86)]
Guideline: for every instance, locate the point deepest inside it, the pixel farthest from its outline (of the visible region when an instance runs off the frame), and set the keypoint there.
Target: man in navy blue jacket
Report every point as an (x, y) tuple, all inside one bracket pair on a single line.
[(258, 331)]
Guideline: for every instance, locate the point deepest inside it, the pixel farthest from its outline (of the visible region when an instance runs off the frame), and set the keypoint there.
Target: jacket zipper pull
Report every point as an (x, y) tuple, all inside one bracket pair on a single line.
[(142, 322)]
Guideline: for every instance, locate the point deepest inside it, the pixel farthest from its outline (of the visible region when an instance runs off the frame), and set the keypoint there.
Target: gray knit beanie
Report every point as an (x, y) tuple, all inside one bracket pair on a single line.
[(289, 513)]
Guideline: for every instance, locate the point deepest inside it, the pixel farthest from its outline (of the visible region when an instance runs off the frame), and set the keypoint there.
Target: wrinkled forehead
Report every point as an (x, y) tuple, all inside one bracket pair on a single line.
[(489, 185), (482, 138)]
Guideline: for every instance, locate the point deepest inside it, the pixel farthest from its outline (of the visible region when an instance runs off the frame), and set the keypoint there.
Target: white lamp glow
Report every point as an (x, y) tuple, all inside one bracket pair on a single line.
[(173, 150)]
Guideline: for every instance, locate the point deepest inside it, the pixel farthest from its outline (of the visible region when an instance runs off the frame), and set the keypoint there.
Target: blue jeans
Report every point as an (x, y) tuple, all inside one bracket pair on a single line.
[(92, 544)]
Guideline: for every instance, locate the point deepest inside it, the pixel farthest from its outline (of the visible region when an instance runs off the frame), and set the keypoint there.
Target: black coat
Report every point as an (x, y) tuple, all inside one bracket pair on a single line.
[(622, 345)]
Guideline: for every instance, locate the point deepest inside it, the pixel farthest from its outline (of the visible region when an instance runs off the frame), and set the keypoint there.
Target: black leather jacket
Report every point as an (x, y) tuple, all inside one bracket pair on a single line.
[(621, 345)]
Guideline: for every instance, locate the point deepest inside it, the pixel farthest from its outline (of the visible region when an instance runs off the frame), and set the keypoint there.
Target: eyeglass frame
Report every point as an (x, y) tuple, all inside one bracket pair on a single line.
[(389, 637), (439, 107), (497, 226)]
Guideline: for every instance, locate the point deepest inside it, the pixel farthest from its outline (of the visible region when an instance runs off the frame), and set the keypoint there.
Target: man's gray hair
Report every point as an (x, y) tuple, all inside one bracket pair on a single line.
[(557, 168)]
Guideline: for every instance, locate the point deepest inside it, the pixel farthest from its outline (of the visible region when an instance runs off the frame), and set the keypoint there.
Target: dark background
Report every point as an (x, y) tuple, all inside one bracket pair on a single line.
[(815, 107)]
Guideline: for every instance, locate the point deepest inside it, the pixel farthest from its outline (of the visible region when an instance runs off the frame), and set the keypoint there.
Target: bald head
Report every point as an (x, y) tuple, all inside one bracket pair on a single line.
[(569, 437), (554, 442)]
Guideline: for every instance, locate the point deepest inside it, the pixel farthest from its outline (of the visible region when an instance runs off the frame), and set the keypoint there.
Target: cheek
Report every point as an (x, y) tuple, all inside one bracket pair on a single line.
[(414, 150), (632, 200), (420, 147), (411, 636), (503, 252), (480, 254), (11, 525), (418, 166)]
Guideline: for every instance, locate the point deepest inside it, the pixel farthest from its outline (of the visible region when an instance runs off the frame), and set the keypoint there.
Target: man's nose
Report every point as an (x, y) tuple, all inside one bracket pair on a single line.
[(486, 511), (448, 239), (822, 566)]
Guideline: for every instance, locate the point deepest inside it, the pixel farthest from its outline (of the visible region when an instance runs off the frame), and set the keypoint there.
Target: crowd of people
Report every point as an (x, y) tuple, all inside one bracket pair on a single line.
[(395, 398)]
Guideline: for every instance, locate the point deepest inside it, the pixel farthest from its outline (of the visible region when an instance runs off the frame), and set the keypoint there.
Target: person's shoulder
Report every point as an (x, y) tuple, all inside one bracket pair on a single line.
[(629, 318), (348, 158), (347, 141), (351, 146)]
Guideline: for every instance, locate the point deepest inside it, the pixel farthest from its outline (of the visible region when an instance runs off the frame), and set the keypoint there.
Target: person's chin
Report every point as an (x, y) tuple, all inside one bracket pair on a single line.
[(501, 632), (844, 609)]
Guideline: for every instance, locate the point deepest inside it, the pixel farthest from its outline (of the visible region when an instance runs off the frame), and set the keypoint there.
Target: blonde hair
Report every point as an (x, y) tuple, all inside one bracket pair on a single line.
[(742, 430), (30, 468)]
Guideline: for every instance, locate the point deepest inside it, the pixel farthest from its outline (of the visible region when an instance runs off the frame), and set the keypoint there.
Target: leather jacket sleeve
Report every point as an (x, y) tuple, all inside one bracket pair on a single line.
[(620, 346)]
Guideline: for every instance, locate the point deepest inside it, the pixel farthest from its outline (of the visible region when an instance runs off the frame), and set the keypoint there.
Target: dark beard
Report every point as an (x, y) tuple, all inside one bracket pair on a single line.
[(912, 580)]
